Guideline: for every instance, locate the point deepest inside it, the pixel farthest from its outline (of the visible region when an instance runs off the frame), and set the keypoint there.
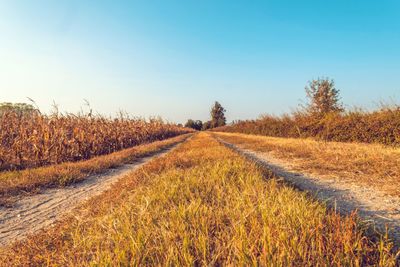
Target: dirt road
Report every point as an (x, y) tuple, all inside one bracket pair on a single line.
[(32, 213), (373, 206)]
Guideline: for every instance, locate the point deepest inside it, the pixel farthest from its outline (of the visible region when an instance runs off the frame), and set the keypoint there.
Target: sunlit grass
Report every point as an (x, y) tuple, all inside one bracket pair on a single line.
[(369, 164), (203, 205), (357, 125)]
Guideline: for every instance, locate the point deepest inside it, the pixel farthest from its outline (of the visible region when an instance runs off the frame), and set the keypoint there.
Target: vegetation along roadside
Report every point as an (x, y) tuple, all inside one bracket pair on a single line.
[(15, 183), (203, 204)]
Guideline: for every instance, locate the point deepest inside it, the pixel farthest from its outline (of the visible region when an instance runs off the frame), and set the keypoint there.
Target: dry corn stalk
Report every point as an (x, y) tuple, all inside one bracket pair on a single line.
[(32, 139)]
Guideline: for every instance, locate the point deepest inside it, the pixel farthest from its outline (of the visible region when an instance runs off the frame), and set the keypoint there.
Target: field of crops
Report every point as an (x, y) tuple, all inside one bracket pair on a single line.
[(31, 139), (179, 197), (200, 133), (203, 204)]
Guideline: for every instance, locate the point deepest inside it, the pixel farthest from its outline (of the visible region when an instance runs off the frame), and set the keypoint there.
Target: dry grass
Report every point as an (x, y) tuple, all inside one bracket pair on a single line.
[(202, 204), (13, 183), (31, 139), (370, 164), (380, 126)]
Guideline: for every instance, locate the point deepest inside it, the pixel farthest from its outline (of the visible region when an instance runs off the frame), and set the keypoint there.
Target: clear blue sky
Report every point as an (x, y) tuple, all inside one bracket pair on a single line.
[(174, 58)]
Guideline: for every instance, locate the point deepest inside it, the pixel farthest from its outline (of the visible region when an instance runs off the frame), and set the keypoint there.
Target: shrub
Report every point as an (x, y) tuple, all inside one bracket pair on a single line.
[(380, 126)]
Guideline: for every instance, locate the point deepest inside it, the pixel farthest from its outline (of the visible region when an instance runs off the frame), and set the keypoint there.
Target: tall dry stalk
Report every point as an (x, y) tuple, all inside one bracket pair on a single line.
[(33, 139)]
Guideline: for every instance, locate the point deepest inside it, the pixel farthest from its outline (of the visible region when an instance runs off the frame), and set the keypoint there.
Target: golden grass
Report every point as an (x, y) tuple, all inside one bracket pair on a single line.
[(31, 139), (13, 183), (202, 204), (379, 126), (370, 164)]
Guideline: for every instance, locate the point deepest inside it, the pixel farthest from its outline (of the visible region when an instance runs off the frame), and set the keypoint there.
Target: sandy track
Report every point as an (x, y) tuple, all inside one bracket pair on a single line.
[(32, 213), (372, 206)]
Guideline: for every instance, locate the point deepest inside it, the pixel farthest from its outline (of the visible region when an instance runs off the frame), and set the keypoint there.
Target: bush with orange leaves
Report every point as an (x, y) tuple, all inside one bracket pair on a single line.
[(380, 126)]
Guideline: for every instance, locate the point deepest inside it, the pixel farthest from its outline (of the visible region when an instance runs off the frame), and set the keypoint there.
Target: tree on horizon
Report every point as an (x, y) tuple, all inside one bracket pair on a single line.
[(323, 97), (217, 115), (20, 108), (197, 125)]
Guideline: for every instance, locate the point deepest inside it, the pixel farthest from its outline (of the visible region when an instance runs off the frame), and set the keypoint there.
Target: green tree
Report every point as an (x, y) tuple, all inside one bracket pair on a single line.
[(197, 125), (189, 123), (20, 108), (206, 125), (323, 97), (217, 115)]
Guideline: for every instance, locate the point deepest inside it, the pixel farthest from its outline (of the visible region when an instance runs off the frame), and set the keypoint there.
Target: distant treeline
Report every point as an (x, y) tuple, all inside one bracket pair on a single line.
[(325, 118), (218, 119)]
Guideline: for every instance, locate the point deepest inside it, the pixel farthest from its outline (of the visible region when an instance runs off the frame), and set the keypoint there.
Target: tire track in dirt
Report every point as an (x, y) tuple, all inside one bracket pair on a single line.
[(32, 213), (374, 207)]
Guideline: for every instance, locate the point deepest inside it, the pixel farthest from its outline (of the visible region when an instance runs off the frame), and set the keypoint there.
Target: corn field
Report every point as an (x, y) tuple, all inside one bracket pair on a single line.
[(33, 139)]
